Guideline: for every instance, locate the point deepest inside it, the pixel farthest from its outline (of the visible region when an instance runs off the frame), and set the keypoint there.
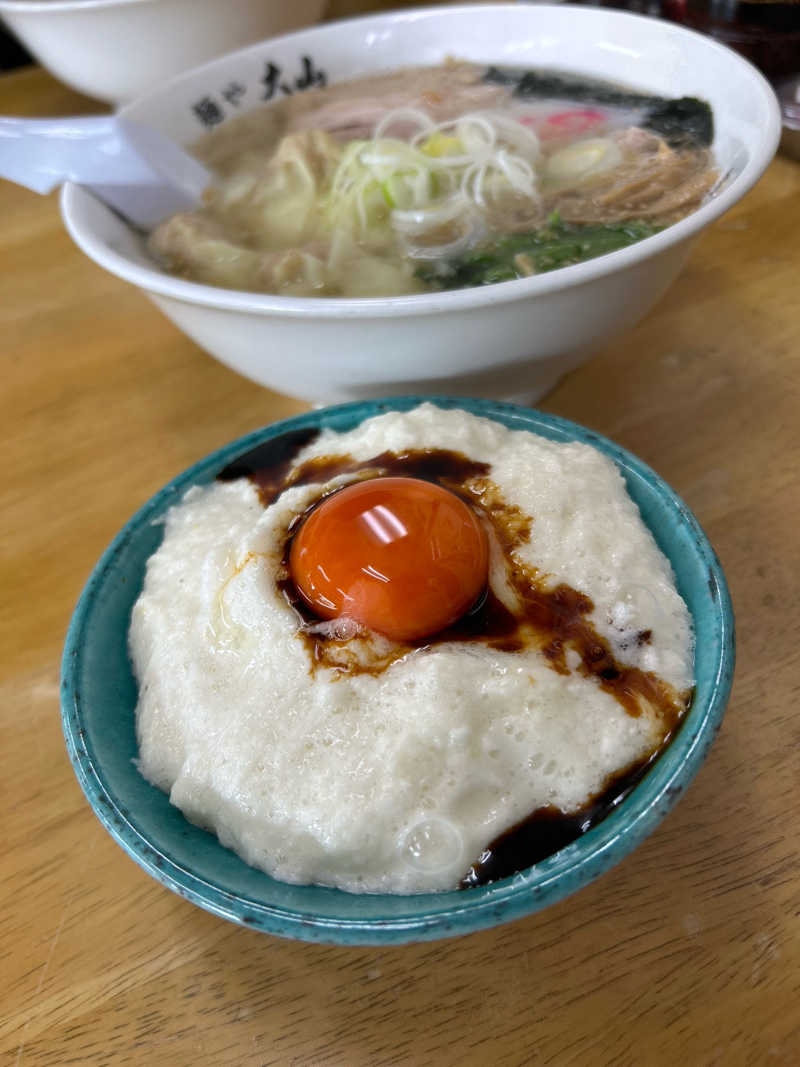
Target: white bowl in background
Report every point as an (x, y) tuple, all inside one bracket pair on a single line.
[(510, 340), (116, 49)]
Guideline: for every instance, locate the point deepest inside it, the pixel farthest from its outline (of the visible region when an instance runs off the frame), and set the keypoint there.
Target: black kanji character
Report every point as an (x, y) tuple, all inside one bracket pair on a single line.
[(310, 78), (208, 111), (233, 93), (270, 80)]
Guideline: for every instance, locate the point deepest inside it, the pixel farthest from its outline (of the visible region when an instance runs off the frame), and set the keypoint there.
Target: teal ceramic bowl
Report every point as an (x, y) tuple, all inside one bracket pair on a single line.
[(99, 696)]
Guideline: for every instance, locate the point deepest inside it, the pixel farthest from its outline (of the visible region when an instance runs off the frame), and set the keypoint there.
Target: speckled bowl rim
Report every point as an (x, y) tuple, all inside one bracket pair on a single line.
[(442, 914)]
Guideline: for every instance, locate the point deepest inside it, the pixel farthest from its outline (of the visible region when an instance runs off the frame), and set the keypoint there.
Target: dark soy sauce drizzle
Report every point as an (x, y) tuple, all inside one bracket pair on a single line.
[(268, 464), (450, 469), (552, 619), (548, 830)]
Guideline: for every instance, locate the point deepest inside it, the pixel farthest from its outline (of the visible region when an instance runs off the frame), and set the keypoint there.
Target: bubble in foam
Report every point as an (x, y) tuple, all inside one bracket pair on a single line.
[(433, 845), (639, 601), (573, 659)]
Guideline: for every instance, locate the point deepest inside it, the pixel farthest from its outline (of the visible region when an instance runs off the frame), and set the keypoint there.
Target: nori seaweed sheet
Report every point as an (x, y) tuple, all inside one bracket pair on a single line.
[(683, 121)]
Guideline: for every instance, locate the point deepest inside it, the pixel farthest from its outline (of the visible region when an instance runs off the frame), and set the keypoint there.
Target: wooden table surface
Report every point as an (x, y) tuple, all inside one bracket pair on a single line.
[(687, 952)]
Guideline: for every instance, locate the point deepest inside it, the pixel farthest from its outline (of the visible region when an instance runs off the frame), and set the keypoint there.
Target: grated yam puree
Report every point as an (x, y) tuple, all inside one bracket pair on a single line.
[(393, 782)]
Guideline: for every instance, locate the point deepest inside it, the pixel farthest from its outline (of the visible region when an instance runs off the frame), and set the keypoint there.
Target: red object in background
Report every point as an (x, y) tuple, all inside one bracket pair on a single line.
[(766, 33)]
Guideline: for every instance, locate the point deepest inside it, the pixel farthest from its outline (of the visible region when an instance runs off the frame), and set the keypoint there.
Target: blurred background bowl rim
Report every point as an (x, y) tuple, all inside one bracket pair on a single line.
[(568, 870), (151, 279), (51, 6)]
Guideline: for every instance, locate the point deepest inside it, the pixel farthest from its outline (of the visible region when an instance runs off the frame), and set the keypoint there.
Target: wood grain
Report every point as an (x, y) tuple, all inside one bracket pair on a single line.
[(686, 952)]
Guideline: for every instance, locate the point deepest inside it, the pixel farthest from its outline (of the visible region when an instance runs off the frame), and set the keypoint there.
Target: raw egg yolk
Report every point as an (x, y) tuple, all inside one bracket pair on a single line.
[(401, 556)]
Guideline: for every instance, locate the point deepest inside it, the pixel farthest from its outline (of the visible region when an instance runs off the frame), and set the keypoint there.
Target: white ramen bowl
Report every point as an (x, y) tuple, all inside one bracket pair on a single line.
[(115, 49), (510, 340)]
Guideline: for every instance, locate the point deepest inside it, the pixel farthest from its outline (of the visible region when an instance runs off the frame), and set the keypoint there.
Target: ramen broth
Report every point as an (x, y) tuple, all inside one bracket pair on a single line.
[(437, 178)]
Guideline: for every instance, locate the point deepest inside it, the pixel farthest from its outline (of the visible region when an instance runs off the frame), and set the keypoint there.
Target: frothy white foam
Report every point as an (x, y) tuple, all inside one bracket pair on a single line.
[(395, 781)]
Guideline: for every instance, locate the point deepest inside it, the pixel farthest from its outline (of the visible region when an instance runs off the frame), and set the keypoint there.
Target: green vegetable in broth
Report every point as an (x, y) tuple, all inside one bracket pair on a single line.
[(558, 244)]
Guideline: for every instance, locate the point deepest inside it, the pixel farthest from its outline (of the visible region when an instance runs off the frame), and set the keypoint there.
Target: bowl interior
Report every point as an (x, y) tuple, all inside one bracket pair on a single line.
[(99, 698), (639, 52), (645, 53)]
